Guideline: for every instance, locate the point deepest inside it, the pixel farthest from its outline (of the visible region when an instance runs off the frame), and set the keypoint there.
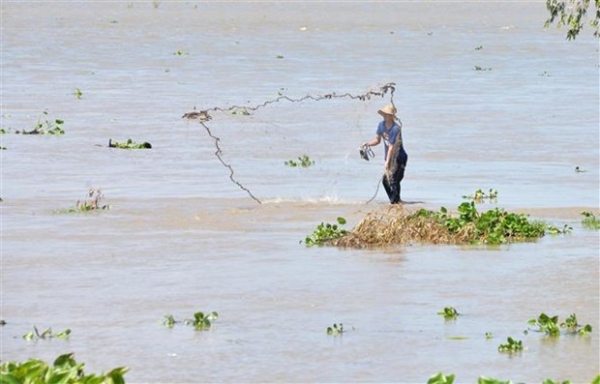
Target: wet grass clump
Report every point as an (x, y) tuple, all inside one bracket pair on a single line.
[(467, 226)]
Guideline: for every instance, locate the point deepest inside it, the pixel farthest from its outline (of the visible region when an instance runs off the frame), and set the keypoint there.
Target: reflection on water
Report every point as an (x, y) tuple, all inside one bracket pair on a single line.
[(181, 237)]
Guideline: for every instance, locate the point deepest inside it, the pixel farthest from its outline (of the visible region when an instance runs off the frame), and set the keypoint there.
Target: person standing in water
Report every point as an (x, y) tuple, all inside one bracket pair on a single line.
[(390, 131)]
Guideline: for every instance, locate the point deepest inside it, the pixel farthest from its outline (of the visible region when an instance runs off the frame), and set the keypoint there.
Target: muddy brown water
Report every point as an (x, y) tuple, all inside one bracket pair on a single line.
[(180, 237)]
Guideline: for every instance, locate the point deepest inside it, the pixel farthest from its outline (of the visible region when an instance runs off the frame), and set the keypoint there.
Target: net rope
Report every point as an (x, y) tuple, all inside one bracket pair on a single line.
[(204, 116)]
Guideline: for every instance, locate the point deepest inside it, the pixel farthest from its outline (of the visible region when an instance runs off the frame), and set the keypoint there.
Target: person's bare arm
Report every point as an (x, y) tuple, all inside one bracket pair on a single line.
[(376, 140)]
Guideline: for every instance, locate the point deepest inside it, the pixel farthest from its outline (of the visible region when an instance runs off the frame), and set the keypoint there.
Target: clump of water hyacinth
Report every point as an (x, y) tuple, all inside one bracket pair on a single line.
[(467, 226)]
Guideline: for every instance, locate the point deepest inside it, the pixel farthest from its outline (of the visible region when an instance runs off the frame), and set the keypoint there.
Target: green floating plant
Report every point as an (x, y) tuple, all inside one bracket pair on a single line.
[(479, 196), (449, 313), (303, 161), (551, 326), (64, 370), (325, 232), (590, 220), (129, 144), (511, 346), (200, 322), (35, 334), (46, 127), (441, 378), (495, 226), (335, 329)]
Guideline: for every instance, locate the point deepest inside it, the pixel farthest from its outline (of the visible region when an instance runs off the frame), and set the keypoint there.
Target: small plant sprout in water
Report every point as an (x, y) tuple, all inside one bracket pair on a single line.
[(441, 378), (326, 232), (590, 221), (78, 94), (511, 346), (303, 161), (489, 335), (335, 329), (35, 334), (449, 313), (479, 196)]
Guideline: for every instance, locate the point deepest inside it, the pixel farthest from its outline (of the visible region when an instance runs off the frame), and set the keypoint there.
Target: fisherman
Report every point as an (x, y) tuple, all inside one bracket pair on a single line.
[(390, 131)]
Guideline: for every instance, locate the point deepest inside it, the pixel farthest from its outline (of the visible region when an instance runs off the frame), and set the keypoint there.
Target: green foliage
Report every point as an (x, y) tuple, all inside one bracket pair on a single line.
[(78, 94), (449, 313), (335, 329), (571, 14), (46, 127), (479, 196), (590, 220), (303, 161), (549, 381), (46, 334), (491, 380), (511, 346), (65, 370), (551, 327), (325, 232), (489, 335), (180, 52), (200, 322), (129, 144), (441, 378), (496, 226)]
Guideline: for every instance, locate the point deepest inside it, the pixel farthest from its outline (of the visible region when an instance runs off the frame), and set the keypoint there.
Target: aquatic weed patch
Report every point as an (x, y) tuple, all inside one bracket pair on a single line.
[(200, 321), (303, 161), (466, 226), (45, 127), (35, 334), (590, 221), (326, 232), (65, 369), (94, 201), (129, 144), (550, 325)]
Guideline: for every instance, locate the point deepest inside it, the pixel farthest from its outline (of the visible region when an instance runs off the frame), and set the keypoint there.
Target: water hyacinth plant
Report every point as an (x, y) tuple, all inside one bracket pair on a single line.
[(64, 370), (46, 127), (303, 161), (550, 325), (326, 232), (449, 313), (46, 334), (200, 322), (590, 221), (129, 144)]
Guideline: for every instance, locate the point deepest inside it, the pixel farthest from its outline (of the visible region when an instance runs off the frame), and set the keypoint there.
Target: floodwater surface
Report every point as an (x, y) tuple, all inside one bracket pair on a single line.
[(488, 100)]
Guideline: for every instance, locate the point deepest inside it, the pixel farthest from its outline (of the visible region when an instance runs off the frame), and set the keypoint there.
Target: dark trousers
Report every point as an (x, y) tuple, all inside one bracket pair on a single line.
[(391, 181)]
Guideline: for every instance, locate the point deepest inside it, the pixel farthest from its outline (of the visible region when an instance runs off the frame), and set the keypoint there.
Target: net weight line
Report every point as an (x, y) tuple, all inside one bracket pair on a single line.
[(203, 117)]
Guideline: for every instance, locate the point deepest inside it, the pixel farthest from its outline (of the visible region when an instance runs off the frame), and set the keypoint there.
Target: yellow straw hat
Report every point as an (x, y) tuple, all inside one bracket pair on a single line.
[(387, 110)]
